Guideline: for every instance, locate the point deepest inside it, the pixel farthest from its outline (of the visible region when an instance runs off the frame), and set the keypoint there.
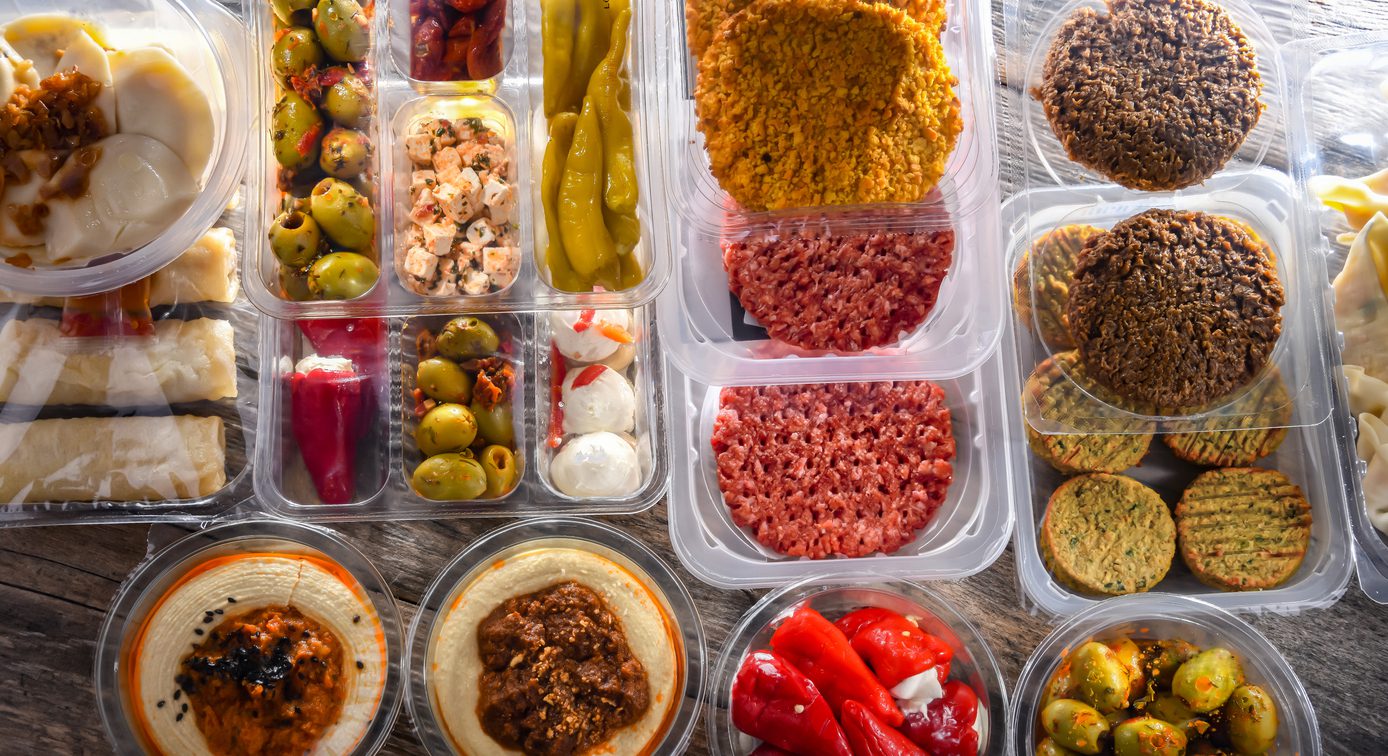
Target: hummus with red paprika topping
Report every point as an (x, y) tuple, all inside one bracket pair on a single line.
[(556, 650), (258, 653)]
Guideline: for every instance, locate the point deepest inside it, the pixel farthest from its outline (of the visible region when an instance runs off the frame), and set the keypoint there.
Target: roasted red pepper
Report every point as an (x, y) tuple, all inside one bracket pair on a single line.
[(766, 749), (361, 340), (947, 726), (557, 373), (326, 417), (588, 375), (895, 647), (849, 624), (484, 55), (820, 650), (870, 737), (774, 702)]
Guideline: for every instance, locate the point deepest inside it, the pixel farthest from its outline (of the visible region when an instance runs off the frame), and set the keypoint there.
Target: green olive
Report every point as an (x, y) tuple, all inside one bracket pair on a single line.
[(343, 30), (1250, 720), (1168, 707), (1048, 747), (1206, 748), (1061, 685), (445, 428), (295, 53), (502, 472), (449, 477), (344, 214), (442, 379), (342, 275), (294, 239), (1100, 677), (1131, 656), (1164, 657), (466, 338), (345, 154), (495, 422), (296, 128), (1145, 736), (348, 102), (1075, 725), (1206, 681), (294, 284), (289, 11)]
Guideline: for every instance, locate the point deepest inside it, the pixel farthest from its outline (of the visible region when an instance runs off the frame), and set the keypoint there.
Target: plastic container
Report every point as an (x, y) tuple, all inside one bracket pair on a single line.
[(970, 174), (140, 594), (515, 95), (1164, 616), (205, 37), (973, 661), (386, 455), (1262, 199), (605, 541), (968, 532), (1338, 109), (201, 361)]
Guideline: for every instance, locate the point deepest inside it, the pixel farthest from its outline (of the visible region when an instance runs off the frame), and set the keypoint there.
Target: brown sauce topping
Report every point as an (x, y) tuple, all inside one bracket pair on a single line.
[(73, 178), (558, 675), (266, 681), (61, 114)]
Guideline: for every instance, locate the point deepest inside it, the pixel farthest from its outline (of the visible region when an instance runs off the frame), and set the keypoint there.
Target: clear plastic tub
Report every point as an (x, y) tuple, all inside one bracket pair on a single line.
[(1338, 108), (968, 532), (1162, 616), (517, 93), (1262, 199), (205, 37), (973, 662), (141, 593), (970, 174), (164, 418), (386, 453), (603, 540)]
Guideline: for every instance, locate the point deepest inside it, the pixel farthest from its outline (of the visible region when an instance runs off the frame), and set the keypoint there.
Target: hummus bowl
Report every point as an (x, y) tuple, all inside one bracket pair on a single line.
[(639, 641), (972, 662), (253, 635)]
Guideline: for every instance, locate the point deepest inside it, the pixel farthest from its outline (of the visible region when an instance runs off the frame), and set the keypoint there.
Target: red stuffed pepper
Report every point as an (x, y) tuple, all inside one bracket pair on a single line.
[(822, 652), (327, 399), (870, 737), (774, 702), (950, 725)]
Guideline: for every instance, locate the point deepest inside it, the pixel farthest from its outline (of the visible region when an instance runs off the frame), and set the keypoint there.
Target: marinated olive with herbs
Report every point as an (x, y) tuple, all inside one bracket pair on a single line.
[(1146, 736), (1130, 656), (1048, 747), (467, 338), (290, 11), (296, 129), (348, 101), (342, 275), (495, 422), (295, 238), (1206, 681), (344, 214), (295, 53), (502, 473), (1164, 657), (1100, 677), (345, 153), (343, 29), (294, 284), (446, 428), (442, 379), (449, 477), (1250, 720), (1075, 725), (1168, 707)]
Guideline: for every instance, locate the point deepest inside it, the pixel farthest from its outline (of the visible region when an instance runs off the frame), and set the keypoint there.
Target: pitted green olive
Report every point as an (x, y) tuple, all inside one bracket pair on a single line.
[(294, 284), (343, 30), (1075, 725), (295, 53), (295, 239), (445, 428), (1250, 720), (1131, 657), (1164, 657), (1100, 677), (449, 477), (467, 338), (1061, 685), (1146, 736), (344, 214), (502, 472), (442, 379), (290, 11), (296, 129), (1048, 747), (1206, 681), (348, 102), (495, 422), (342, 275), (345, 153), (1168, 707)]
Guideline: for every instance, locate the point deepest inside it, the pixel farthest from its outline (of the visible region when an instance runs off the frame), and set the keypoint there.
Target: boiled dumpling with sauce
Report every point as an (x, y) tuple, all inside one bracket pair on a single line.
[(17, 195), (43, 37), (14, 71), (156, 97), (135, 189), (1361, 299), (90, 60)]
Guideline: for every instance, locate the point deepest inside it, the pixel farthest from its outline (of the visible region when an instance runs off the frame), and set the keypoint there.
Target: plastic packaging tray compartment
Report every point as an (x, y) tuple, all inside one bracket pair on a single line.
[(1031, 25), (206, 37), (973, 662), (1264, 200), (968, 532), (1164, 616), (383, 485), (1338, 111), (697, 311), (970, 175), (516, 91)]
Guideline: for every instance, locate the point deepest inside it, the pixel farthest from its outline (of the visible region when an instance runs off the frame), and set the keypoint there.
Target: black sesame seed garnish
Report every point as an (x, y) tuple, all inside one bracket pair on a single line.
[(218, 611), (231, 599), (198, 631), (177, 694), (356, 618), (208, 619), (360, 665), (184, 709), (160, 703), (178, 718)]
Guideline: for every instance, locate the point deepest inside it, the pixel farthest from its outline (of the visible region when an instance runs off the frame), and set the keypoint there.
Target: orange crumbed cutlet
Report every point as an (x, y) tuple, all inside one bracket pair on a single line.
[(805, 103), (703, 17)]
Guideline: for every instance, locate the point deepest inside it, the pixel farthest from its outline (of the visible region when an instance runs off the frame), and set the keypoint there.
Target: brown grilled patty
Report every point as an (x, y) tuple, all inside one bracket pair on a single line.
[(1055, 388), (1155, 94), (1262, 416), (1243, 528), (1041, 303), (1107, 535), (1176, 308)]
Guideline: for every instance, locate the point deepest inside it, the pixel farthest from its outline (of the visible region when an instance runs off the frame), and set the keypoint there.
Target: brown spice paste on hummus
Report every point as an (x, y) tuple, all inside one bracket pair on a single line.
[(266, 681), (558, 675)]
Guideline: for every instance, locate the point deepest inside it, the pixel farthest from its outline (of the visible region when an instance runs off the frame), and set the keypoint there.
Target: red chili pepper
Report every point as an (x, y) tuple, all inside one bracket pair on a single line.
[(774, 702), (484, 56), (896, 649), (819, 650), (870, 737), (589, 374), (557, 372), (947, 726), (309, 141), (326, 419)]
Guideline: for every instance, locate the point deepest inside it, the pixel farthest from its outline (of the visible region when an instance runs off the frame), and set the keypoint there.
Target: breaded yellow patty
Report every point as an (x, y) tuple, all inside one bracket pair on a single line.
[(703, 17), (1243, 528), (1040, 303), (1107, 535), (1060, 390)]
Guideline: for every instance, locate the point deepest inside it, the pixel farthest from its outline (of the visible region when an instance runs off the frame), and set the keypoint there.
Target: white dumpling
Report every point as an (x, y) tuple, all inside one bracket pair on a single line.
[(1361, 305), (156, 97), (90, 59), (21, 194), (42, 37), (14, 70), (137, 188)]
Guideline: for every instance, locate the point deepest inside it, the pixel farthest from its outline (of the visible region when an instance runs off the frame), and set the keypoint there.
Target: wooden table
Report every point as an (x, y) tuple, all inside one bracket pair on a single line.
[(56, 584)]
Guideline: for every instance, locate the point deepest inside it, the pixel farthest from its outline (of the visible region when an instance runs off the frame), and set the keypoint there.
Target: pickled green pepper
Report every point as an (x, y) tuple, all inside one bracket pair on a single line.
[(557, 21), (561, 137), (618, 144), (586, 240), (589, 47)]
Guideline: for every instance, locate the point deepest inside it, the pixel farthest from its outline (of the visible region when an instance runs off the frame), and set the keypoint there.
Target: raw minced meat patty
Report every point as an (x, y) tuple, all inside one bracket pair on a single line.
[(834, 469), (844, 293)]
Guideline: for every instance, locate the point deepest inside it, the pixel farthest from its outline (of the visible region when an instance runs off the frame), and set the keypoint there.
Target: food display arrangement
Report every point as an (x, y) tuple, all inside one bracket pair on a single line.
[(276, 264)]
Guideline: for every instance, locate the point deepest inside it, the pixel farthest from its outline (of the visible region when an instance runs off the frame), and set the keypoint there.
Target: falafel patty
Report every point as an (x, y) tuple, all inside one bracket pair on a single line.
[(1107, 535), (1243, 528), (1262, 414), (703, 17), (1041, 303), (1055, 387), (1176, 308), (1155, 94)]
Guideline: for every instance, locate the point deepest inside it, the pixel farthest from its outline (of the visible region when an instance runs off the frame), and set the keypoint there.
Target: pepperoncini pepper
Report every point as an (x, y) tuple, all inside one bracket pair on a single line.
[(589, 46), (586, 240), (561, 137), (618, 143), (557, 21)]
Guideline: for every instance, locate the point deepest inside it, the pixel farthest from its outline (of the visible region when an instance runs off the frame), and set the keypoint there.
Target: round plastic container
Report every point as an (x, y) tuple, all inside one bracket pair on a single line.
[(210, 42), (151, 580), (973, 661), (519, 537), (1163, 616)]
